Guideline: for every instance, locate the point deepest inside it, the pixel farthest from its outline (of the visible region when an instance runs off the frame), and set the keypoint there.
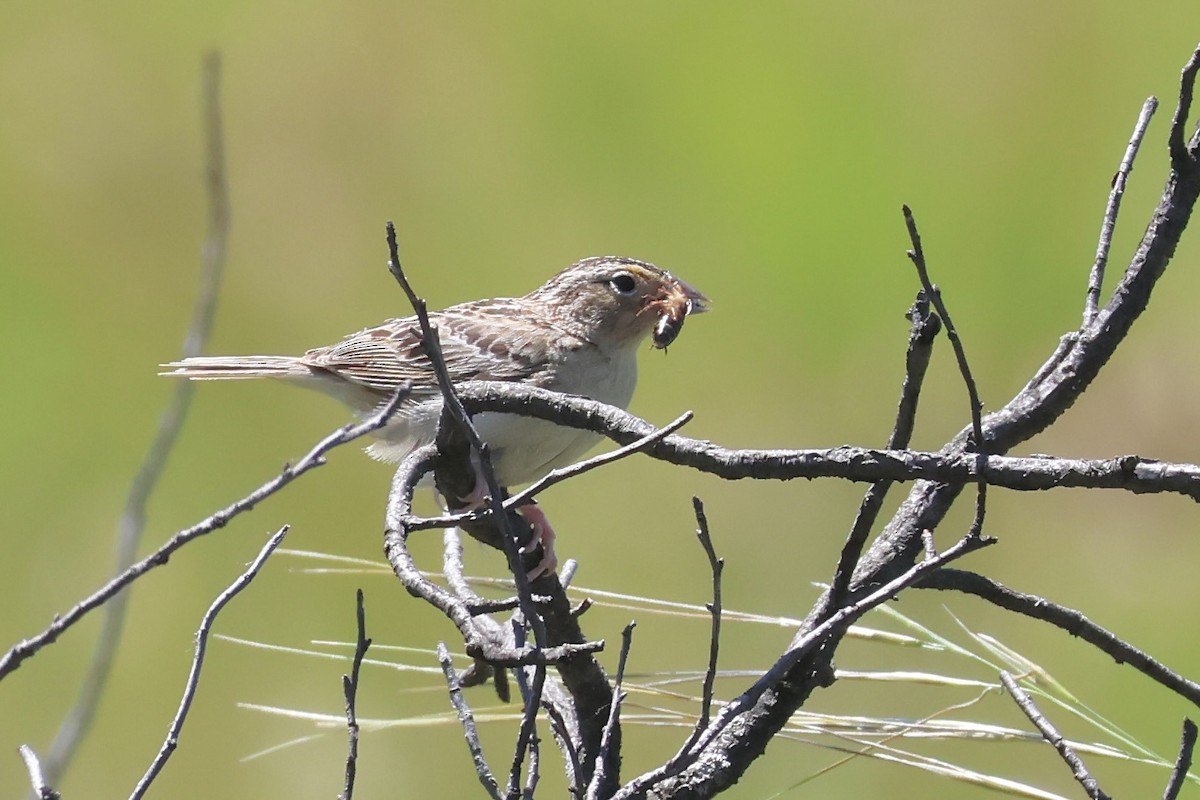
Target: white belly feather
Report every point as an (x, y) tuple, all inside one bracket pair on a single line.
[(523, 448)]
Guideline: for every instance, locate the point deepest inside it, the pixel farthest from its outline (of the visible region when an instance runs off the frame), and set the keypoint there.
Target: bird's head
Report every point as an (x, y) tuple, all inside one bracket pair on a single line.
[(618, 302)]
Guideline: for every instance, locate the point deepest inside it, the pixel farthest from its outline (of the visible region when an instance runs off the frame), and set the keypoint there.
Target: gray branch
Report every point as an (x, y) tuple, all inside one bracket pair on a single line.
[(1057, 385)]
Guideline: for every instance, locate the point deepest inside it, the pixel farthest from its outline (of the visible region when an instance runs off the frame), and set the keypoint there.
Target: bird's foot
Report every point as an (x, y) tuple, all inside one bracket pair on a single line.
[(543, 534)]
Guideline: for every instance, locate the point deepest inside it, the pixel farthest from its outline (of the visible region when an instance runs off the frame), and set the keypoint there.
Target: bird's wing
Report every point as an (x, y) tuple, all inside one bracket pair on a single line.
[(480, 341)]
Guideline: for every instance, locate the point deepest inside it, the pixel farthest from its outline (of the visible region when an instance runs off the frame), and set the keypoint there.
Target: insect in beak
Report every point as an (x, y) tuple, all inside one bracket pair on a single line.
[(678, 301)]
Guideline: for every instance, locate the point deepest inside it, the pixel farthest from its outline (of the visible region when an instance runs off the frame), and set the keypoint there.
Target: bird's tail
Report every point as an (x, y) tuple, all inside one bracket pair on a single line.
[(216, 368)]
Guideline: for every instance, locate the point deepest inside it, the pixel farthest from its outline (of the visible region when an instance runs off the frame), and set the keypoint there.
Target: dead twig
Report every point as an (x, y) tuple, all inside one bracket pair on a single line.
[(315, 457), (193, 679), (132, 523), (1051, 735), (350, 692)]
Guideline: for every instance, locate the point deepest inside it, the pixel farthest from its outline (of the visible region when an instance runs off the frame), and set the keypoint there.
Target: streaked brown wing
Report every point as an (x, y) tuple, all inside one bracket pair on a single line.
[(474, 341)]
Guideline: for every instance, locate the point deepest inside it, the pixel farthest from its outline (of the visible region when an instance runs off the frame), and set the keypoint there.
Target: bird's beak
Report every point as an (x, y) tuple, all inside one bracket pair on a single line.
[(697, 302)]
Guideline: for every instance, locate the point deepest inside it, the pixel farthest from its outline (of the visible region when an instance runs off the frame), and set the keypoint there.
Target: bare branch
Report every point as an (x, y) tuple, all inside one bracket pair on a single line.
[(565, 739), (922, 331), (821, 636), (527, 738), (193, 680), (836, 623), (468, 722), (456, 576), (559, 475), (572, 654), (1051, 735), (1069, 371), (1035, 473), (1067, 619), (314, 458), (461, 423), (555, 476), (350, 691), (1108, 225), (1183, 762), (480, 670), (600, 778), (36, 776), (1181, 157), (133, 519), (535, 765), (917, 256), (716, 567)]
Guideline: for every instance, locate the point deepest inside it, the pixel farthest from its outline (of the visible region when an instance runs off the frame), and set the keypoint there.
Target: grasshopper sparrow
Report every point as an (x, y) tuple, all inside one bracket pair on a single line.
[(578, 333)]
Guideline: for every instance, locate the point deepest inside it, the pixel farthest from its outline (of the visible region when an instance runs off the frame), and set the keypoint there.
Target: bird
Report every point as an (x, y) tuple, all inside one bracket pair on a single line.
[(578, 333)]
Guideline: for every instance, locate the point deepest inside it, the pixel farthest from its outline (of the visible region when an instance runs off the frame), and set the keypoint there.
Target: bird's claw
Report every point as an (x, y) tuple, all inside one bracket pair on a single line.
[(544, 535)]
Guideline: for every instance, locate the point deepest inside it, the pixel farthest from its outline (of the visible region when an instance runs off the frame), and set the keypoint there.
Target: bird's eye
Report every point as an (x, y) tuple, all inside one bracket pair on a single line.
[(623, 283)]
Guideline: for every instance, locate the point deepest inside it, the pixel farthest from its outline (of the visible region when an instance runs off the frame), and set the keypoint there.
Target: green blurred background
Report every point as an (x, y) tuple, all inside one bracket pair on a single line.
[(761, 152)]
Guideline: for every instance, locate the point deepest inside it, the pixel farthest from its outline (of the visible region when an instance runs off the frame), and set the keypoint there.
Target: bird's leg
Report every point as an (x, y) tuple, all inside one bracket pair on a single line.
[(479, 495), (543, 533)]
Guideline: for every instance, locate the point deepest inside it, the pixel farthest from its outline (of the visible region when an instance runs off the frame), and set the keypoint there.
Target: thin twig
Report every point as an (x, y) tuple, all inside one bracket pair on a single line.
[(534, 773), (37, 777), (193, 680), (1051, 735), (535, 766), (350, 692), (132, 523), (600, 777), (716, 567), (1091, 304), (477, 607), (1066, 619), (556, 476), (470, 731), (458, 414), (315, 457), (566, 742), (924, 326), (599, 460), (917, 256), (923, 329), (527, 738), (480, 670), (456, 577), (1181, 159), (412, 467), (531, 696), (1183, 762)]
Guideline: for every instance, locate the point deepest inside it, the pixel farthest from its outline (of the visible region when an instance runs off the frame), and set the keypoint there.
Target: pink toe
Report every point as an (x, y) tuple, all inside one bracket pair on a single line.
[(544, 534)]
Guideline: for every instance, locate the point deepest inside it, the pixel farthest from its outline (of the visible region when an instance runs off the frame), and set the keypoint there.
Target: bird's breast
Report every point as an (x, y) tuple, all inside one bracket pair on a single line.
[(527, 448), (609, 377)]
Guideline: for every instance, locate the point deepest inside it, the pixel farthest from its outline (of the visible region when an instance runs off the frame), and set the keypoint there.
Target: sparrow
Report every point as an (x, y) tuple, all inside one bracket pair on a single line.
[(579, 333)]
